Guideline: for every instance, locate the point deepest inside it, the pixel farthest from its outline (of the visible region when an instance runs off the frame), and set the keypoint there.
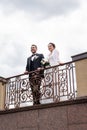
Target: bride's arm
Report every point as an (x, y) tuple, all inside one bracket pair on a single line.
[(57, 57)]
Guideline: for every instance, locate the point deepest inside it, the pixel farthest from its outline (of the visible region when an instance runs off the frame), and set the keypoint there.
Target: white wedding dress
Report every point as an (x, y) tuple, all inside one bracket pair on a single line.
[(53, 58), (50, 78)]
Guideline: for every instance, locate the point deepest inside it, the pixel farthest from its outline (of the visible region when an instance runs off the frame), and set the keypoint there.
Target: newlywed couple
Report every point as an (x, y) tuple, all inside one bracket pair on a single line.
[(34, 63)]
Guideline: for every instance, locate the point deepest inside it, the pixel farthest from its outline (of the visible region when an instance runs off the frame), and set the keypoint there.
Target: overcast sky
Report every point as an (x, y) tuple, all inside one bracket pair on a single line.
[(27, 22)]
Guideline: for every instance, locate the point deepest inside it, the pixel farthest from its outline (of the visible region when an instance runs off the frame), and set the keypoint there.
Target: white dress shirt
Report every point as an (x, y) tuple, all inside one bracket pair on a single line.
[(34, 56)]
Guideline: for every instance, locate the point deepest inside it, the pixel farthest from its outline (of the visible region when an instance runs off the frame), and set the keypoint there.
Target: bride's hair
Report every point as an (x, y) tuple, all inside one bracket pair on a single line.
[(52, 44)]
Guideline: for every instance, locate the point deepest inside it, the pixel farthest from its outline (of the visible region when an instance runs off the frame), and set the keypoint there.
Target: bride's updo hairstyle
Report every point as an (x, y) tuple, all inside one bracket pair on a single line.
[(52, 44)]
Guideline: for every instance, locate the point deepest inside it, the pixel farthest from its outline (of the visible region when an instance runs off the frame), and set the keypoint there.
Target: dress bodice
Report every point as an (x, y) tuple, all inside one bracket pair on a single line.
[(53, 58)]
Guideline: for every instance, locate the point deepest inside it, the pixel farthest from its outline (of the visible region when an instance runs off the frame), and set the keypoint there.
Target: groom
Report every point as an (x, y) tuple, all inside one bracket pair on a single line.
[(34, 64)]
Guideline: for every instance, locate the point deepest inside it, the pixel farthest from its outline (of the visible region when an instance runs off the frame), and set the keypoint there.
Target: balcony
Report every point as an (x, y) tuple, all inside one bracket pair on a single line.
[(63, 98), (60, 83)]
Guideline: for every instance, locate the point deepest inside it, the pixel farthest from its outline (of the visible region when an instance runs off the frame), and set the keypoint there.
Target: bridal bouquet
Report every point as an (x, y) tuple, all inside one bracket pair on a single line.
[(45, 62)]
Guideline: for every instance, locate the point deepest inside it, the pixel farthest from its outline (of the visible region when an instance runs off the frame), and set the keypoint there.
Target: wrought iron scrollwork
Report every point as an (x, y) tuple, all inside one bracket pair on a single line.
[(59, 83)]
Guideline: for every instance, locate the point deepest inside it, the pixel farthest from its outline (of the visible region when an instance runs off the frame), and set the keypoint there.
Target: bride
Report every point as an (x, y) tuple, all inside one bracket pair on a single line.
[(51, 74), (53, 56)]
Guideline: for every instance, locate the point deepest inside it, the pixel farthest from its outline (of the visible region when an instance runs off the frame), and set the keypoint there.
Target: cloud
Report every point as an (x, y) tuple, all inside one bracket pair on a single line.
[(12, 55), (18, 32), (41, 8), (12, 59)]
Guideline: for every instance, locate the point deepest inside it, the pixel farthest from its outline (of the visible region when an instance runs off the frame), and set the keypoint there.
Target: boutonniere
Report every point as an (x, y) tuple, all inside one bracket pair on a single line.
[(35, 57)]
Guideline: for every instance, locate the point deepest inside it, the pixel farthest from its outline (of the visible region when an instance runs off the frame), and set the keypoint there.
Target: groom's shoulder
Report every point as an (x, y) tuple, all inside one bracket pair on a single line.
[(28, 57), (40, 54)]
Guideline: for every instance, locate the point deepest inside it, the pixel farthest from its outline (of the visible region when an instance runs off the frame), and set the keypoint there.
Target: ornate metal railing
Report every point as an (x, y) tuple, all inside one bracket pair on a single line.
[(58, 84)]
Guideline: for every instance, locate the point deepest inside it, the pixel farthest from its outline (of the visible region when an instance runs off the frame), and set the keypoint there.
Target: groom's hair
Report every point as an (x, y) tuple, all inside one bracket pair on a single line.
[(54, 46), (34, 45)]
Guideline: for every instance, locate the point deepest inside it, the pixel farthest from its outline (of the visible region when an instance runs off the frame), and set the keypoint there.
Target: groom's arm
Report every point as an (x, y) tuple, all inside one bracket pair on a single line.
[(27, 66), (41, 66), (42, 56)]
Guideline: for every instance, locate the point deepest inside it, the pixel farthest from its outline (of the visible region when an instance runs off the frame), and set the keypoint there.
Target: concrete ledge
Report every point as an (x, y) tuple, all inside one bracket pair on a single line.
[(79, 56), (3, 80), (79, 100)]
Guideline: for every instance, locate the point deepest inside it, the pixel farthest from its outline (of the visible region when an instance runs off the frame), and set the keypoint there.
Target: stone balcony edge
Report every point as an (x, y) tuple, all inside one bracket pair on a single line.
[(79, 100), (79, 56)]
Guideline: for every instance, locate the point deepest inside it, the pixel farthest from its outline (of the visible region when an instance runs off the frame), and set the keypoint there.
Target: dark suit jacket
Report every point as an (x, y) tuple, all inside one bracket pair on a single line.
[(36, 63)]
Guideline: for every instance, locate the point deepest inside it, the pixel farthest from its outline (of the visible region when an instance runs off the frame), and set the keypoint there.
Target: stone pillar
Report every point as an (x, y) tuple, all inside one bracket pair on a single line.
[(2, 93), (81, 73)]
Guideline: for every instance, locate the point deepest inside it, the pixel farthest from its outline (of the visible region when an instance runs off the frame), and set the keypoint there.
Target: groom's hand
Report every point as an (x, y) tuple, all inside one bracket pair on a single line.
[(26, 72), (40, 68)]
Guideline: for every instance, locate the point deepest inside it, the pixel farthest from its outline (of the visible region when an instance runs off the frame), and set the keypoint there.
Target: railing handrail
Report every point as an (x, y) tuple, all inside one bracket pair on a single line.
[(58, 83), (22, 74)]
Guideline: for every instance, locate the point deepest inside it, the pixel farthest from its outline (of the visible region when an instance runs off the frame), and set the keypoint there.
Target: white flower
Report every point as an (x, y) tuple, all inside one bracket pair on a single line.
[(45, 62)]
